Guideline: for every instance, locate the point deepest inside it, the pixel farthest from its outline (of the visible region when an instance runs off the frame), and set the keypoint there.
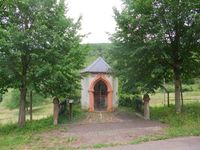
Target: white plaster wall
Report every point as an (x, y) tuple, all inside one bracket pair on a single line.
[(84, 92), (115, 92), (85, 84)]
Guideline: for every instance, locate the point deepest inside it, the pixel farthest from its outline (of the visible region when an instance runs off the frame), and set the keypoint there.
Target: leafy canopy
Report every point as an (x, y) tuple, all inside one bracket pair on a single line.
[(156, 40), (39, 47)]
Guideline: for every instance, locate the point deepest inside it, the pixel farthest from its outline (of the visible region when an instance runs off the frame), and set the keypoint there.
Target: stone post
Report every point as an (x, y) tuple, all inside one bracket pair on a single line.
[(110, 94), (55, 110), (91, 101), (146, 99)]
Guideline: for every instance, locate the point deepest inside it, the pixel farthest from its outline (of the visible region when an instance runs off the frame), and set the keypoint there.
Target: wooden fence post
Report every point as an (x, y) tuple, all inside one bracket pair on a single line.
[(70, 109), (55, 110)]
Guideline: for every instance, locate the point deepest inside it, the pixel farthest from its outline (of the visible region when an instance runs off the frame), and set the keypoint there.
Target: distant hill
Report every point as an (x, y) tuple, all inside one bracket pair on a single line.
[(96, 50)]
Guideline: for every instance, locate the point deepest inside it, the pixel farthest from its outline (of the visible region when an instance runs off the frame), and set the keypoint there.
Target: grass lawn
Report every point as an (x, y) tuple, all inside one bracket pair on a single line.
[(157, 99), (12, 137), (186, 123), (11, 116)]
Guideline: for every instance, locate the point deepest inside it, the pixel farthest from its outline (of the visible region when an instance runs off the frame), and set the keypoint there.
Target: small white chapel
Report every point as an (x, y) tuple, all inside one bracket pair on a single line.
[(99, 87)]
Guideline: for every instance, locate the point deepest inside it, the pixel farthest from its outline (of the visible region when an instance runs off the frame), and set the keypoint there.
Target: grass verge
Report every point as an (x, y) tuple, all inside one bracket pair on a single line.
[(186, 123), (12, 137)]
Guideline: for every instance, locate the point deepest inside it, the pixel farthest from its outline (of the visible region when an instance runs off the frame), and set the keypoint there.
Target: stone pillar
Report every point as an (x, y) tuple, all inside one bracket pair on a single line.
[(146, 99), (110, 95), (55, 110)]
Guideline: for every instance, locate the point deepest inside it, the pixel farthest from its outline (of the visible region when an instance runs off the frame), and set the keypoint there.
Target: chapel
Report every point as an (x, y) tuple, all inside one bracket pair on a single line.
[(99, 87)]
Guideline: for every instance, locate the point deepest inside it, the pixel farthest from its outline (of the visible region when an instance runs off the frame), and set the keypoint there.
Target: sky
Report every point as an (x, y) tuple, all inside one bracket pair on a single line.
[(97, 18)]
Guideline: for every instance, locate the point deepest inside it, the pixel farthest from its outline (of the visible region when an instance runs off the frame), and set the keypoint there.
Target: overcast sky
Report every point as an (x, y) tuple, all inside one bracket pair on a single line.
[(97, 17)]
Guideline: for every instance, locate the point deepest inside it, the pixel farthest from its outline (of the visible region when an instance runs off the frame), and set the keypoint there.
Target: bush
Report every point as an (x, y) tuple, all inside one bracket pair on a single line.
[(138, 103), (1, 98), (128, 100), (187, 88)]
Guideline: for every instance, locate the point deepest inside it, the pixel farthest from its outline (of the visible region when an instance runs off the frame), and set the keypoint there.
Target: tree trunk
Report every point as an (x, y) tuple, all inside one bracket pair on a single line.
[(31, 99), (177, 93), (22, 112)]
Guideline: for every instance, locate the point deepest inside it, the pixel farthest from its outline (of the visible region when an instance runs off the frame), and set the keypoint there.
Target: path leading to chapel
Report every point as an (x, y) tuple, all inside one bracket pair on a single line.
[(104, 127)]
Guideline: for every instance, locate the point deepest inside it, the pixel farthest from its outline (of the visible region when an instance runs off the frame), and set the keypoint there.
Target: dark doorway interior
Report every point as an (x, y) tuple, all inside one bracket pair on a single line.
[(100, 96)]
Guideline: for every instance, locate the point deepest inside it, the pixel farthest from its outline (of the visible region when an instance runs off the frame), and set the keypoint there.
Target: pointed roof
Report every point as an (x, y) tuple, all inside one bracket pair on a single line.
[(98, 66)]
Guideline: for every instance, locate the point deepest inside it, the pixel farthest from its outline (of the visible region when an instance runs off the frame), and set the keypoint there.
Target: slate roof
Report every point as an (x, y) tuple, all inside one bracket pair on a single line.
[(98, 66)]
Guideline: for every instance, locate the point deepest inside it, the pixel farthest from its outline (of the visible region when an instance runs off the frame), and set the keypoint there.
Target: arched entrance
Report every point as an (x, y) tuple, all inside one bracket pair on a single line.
[(100, 94)]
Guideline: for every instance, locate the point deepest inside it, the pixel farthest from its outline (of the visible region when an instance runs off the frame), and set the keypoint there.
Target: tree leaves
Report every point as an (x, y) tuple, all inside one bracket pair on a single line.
[(37, 36), (153, 39)]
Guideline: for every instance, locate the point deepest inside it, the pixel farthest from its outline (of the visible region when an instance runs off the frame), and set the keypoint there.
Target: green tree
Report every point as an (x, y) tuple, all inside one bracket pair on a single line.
[(156, 40), (39, 46)]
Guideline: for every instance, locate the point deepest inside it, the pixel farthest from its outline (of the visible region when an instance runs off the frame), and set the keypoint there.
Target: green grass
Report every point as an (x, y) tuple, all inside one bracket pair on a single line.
[(12, 137), (104, 145), (148, 138), (8, 116), (186, 123), (188, 97), (11, 99)]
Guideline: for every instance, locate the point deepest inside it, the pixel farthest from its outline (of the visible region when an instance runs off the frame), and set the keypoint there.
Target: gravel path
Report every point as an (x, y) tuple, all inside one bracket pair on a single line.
[(103, 127)]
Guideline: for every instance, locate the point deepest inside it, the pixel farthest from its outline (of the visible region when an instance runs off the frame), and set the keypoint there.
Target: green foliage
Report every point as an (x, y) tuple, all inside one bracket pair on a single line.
[(128, 100), (1, 98), (40, 49), (157, 40), (12, 99), (13, 137), (96, 50), (184, 124), (104, 145), (77, 114), (34, 126)]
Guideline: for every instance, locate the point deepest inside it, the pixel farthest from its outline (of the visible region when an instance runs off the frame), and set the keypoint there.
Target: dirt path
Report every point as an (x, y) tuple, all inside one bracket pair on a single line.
[(101, 128)]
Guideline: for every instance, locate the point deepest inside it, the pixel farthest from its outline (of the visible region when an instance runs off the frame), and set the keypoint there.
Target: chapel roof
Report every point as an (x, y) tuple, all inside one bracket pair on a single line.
[(98, 66)]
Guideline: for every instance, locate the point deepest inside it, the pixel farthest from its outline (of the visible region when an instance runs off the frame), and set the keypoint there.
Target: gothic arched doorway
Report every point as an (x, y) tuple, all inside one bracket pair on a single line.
[(106, 91), (100, 96)]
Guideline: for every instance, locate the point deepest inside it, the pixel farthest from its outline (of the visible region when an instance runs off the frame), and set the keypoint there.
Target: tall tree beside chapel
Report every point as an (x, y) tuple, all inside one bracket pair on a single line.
[(157, 40), (39, 47)]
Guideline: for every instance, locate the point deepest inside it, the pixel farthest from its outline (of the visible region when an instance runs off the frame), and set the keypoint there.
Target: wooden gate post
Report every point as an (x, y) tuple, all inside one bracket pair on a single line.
[(70, 109), (146, 99), (55, 110)]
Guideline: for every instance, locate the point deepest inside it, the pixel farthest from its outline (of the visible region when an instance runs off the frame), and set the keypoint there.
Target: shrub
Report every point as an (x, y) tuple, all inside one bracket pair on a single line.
[(1, 98), (186, 88), (128, 100)]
